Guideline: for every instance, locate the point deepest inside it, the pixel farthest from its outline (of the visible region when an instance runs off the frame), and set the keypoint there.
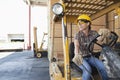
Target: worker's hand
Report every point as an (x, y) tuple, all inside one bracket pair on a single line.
[(78, 59), (103, 34)]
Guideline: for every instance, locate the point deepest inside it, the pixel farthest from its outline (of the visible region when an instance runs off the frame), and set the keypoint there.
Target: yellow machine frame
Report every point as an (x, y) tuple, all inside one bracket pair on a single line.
[(55, 72)]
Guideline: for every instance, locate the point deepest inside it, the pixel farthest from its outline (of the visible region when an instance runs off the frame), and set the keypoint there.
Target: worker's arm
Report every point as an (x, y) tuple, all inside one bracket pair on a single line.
[(76, 43), (78, 56)]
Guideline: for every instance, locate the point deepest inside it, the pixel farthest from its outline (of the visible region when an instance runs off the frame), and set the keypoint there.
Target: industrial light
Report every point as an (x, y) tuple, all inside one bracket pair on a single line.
[(116, 16), (57, 9)]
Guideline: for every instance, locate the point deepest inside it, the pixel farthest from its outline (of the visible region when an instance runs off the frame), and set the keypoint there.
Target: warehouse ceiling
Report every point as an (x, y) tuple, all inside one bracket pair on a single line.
[(36, 2), (77, 7), (94, 8)]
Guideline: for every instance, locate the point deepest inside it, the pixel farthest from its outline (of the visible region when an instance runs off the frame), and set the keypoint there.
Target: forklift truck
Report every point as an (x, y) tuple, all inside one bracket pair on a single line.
[(39, 52), (68, 70)]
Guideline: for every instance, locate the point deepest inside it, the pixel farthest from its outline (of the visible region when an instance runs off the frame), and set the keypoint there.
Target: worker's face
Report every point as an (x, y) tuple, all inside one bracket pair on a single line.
[(82, 25)]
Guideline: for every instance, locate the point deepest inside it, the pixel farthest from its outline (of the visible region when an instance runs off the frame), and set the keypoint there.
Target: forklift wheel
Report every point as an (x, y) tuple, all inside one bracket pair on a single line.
[(38, 55)]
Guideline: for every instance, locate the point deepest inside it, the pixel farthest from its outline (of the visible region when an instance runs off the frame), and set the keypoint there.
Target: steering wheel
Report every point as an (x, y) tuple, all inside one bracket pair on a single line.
[(113, 39)]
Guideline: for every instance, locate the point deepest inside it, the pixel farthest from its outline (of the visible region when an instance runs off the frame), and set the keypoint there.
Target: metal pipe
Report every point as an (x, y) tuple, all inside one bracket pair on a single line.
[(29, 46)]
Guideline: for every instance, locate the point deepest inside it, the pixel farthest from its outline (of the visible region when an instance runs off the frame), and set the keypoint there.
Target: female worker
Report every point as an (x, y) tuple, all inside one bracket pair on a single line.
[(82, 55)]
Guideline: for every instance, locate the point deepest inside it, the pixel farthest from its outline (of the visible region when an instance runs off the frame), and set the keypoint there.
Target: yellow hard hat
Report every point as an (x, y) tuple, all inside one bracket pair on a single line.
[(84, 16)]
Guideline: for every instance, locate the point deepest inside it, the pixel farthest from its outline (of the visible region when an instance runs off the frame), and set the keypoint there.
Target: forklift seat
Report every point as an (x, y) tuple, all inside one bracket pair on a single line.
[(73, 65), (71, 51)]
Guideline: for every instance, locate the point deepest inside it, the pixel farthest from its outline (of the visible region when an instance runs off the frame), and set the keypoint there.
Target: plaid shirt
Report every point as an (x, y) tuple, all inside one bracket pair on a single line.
[(84, 41)]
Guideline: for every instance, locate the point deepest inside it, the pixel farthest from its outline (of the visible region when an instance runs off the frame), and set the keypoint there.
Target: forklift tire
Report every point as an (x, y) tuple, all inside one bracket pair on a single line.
[(38, 55)]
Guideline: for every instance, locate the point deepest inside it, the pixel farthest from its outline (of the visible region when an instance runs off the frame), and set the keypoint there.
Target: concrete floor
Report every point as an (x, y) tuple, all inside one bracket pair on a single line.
[(22, 66)]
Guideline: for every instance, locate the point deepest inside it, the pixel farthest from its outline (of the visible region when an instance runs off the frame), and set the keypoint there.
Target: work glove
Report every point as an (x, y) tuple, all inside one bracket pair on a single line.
[(78, 59), (104, 33)]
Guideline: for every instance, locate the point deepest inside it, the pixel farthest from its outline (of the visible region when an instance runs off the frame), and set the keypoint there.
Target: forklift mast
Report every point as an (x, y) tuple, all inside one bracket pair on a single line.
[(41, 45), (35, 38)]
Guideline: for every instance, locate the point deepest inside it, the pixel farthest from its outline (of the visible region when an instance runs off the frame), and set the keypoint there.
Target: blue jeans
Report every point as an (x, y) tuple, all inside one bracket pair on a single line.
[(86, 68)]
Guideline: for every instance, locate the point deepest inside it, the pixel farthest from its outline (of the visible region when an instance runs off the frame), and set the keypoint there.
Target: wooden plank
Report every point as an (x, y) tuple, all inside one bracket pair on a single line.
[(84, 12), (58, 46), (58, 30), (104, 11), (55, 71), (71, 19), (51, 29), (111, 26), (79, 8), (71, 2)]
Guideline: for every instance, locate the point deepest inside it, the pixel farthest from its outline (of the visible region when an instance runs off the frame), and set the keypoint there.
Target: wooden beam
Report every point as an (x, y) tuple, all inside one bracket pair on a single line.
[(89, 3), (86, 12), (78, 8), (115, 1), (73, 2), (64, 1), (71, 19), (104, 11)]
